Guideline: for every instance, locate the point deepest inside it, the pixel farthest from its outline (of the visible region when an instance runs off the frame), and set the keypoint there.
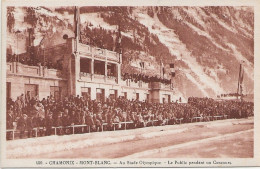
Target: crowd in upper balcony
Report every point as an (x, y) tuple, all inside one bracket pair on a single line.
[(31, 61), (135, 77)]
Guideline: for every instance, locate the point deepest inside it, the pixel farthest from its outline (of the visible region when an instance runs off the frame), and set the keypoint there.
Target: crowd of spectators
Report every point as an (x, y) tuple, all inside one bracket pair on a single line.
[(229, 95), (232, 108), (25, 113), (35, 61), (145, 78)]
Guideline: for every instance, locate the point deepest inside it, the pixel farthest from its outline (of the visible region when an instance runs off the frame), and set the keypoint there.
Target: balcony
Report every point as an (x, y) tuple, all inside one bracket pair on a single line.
[(111, 79), (33, 71), (98, 52), (99, 78), (84, 49), (112, 56), (85, 76), (159, 85), (138, 84)]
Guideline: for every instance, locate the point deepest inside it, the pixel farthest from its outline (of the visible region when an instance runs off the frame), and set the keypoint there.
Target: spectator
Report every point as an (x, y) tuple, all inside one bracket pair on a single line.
[(29, 126), (71, 110), (48, 124), (9, 123), (22, 124)]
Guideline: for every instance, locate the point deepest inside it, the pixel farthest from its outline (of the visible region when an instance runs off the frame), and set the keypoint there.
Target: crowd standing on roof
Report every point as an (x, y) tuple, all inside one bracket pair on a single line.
[(25, 113), (35, 61)]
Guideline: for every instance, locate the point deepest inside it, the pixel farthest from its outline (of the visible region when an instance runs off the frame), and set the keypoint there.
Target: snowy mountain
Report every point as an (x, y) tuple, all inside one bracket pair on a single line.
[(206, 44)]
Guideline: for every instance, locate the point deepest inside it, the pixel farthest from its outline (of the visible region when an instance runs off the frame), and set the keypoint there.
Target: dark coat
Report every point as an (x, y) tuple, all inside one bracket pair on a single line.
[(58, 122), (21, 124), (9, 121), (48, 123), (29, 123), (89, 120), (66, 121)]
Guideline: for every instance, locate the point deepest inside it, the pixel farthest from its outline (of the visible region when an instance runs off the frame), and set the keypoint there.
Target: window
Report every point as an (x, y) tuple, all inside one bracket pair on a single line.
[(99, 67), (86, 92), (163, 100), (147, 97), (137, 96), (55, 91), (113, 94), (111, 69), (85, 65), (100, 95), (125, 95), (8, 89), (31, 90)]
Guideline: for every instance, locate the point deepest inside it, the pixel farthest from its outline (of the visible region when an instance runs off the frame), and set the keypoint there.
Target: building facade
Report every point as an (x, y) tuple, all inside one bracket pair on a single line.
[(87, 71)]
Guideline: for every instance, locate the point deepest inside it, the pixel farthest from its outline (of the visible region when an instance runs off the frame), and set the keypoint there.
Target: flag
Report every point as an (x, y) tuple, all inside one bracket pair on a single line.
[(172, 69), (142, 65), (242, 75), (119, 34), (162, 68), (241, 79)]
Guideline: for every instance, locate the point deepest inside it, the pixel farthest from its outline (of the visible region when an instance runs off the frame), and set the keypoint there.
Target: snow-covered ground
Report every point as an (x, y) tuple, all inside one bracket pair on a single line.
[(102, 144)]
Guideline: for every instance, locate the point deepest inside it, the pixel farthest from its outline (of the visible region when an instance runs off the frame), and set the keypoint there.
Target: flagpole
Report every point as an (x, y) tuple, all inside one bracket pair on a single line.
[(160, 67), (77, 26), (241, 81), (238, 85)]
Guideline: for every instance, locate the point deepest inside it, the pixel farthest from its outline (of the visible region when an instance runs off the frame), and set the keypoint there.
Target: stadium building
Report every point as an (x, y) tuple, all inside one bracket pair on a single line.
[(86, 71)]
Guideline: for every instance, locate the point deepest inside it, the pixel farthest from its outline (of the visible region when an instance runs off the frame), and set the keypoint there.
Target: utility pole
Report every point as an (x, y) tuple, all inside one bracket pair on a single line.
[(77, 27), (17, 32)]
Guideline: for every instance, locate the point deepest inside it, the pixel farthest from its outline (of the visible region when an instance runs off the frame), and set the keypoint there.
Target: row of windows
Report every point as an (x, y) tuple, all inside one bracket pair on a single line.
[(32, 90)]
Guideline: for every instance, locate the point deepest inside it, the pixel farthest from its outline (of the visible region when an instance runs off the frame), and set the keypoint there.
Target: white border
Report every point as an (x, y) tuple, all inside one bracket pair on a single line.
[(255, 3)]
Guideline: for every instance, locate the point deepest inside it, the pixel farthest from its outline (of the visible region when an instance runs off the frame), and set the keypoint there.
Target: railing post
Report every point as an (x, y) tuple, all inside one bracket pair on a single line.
[(73, 129), (13, 134), (36, 134)]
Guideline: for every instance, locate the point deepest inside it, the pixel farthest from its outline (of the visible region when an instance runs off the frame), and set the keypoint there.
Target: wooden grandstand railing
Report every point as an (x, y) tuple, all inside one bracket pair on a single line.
[(125, 123)]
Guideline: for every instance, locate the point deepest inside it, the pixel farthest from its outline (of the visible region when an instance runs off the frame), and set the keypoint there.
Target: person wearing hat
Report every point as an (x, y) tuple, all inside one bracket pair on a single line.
[(66, 122), (58, 123), (109, 119), (29, 126), (48, 124), (21, 124), (9, 123), (89, 120), (18, 106)]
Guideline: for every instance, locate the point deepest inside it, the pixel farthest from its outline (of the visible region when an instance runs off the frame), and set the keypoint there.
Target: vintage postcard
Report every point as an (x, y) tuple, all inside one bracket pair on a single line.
[(130, 84)]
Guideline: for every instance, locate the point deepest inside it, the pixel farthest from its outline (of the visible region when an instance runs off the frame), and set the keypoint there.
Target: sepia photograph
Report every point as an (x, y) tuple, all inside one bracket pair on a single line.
[(87, 84)]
